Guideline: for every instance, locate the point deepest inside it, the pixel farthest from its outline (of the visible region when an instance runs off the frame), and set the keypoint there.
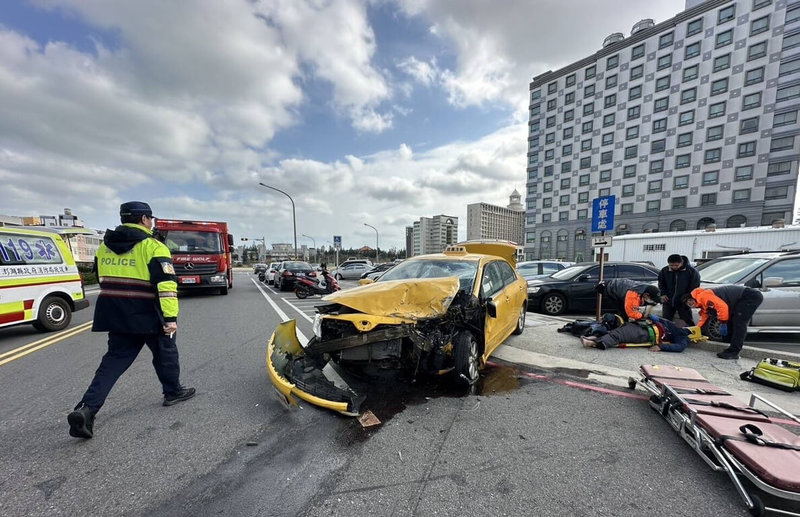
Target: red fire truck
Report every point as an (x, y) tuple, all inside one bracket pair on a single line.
[(201, 253)]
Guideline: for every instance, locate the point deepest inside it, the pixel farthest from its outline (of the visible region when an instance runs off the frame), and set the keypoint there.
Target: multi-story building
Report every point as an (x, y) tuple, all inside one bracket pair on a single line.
[(690, 122), (485, 221), (434, 234), (65, 219), (409, 241)]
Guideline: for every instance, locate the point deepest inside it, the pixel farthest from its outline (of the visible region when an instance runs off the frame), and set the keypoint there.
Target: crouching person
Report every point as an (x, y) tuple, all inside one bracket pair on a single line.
[(663, 335)]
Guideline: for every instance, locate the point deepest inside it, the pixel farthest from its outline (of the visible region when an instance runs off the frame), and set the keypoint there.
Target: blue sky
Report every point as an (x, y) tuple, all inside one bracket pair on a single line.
[(366, 111)]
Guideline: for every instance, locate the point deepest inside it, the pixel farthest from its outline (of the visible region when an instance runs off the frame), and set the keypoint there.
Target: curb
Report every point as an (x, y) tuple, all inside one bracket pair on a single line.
[(756, 354)]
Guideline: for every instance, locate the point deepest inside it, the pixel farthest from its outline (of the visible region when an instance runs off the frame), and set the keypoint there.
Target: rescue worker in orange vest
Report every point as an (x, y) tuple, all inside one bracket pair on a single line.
[(137, 306), (732, 305), (629, 296)]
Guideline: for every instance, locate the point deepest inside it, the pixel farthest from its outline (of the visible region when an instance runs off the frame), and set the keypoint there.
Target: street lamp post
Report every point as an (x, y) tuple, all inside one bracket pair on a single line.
[(315, 245), (294, 218), (377, 247)]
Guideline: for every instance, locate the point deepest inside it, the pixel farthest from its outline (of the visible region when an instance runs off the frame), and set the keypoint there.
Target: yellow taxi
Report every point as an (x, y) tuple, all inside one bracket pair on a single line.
[(432, 315)]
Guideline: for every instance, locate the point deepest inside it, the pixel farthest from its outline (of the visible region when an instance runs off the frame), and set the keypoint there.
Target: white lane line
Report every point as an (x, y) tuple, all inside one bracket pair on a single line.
[(303, 314), (303, 339)]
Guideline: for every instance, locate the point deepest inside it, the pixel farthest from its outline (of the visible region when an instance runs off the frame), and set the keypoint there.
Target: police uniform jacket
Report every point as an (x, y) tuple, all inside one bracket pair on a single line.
[(138, 286)]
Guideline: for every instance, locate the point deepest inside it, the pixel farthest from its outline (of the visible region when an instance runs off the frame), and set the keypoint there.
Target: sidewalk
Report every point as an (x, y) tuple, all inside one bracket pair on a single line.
[(543, 347)]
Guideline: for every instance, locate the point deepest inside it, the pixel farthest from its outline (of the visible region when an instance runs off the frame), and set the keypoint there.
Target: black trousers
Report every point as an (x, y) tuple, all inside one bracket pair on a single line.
[(122, 351), (740, 315), (684, 312)]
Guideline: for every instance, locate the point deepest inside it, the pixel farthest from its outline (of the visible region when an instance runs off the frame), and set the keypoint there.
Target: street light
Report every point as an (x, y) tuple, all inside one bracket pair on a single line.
[(294, 218), (377, 247), (315, 245)]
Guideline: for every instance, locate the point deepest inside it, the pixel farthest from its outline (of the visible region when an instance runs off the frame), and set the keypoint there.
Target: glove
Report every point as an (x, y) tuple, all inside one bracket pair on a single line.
[(653, 317), (723, 329)]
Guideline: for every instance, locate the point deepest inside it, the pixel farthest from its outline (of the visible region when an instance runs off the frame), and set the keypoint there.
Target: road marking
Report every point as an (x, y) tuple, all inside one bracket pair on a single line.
[(24, 350), (281, 314), (303, 314)]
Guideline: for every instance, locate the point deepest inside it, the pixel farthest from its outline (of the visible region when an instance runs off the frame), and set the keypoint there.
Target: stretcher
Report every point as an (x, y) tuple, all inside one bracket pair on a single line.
[(732, 437)]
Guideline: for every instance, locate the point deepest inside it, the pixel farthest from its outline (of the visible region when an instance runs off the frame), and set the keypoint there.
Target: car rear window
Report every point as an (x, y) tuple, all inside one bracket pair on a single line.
[(304, 266)]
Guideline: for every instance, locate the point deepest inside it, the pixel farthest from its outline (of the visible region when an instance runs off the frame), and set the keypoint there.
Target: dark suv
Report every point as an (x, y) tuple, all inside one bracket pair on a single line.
[(573, 288)]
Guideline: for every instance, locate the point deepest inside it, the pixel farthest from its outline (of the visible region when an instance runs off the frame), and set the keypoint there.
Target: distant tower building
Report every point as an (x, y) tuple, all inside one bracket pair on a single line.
[(434, 234), (409, 241), (65, 219), (485, 221)]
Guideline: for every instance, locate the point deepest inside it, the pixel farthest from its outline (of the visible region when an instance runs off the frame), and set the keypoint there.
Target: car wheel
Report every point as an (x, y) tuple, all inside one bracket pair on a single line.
[(54, 314), (711, 329), (554, 304), (521, 320), (301, 292), (338, 276), (465, 356)]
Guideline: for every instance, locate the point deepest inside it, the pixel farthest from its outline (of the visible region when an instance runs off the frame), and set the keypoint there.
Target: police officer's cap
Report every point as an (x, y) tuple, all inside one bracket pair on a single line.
[(135, 208)]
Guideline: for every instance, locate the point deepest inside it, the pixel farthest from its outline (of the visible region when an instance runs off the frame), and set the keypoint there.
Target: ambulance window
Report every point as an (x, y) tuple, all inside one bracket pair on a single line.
[(28, 249)]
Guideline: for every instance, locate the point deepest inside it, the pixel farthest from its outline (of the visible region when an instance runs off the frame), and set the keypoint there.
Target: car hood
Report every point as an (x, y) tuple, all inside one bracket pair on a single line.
[(415, 299)]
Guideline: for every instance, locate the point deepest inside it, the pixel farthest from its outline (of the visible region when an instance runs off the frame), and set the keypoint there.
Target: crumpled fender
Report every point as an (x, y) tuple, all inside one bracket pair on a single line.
[(410, 299)]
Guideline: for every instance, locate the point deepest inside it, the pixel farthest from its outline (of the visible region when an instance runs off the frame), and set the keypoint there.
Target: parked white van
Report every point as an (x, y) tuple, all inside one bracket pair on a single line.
[(39, 281)]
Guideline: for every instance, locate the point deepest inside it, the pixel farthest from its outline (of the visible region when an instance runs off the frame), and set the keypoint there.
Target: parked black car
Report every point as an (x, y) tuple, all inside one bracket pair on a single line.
[(289, 270), (573, 288)]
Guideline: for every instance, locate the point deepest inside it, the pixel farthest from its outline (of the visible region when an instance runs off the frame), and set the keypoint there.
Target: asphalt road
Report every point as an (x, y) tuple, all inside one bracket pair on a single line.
[(525, 444)]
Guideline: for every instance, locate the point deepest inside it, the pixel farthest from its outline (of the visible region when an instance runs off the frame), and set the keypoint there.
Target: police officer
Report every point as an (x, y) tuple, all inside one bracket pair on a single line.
[(137, 306)]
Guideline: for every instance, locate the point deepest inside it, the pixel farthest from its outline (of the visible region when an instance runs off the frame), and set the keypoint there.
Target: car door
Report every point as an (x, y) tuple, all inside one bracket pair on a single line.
[(492, 290), (515, 293), (582, 294), (548, 268), (781, 305)]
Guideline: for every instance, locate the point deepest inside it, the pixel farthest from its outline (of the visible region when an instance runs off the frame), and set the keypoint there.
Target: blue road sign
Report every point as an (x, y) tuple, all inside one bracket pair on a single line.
[(603, 214), (337, 242)]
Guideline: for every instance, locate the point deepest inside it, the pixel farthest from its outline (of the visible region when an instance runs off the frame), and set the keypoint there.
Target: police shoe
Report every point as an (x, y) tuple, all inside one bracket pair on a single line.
[(184, 394), (81, 422)]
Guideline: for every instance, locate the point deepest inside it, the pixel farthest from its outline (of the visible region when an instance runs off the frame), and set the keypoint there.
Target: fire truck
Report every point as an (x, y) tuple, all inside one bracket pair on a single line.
[(201, 253)]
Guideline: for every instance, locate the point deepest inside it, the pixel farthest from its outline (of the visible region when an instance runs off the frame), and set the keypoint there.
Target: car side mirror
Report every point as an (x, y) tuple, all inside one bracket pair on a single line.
[(491, 309), (773, 281), (230, 240), (366, 281)]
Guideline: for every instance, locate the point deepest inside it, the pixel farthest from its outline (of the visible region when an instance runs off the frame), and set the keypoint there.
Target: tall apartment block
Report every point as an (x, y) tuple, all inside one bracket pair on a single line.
[(485, 221), (434, 234), (689, 123)]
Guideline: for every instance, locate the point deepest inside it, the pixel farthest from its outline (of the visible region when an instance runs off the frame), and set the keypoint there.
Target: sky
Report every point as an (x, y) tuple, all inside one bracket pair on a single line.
[(363, 111)]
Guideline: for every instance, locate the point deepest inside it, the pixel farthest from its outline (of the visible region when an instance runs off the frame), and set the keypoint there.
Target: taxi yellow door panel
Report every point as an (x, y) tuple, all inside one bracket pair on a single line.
[(493, 290)]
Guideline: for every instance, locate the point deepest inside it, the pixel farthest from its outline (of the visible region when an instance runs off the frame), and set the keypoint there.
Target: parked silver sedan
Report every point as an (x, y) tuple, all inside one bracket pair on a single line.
[(350, 271)]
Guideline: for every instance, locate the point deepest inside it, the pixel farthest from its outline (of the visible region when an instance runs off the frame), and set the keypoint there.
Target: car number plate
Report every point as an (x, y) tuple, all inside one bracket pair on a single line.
[(189, 280)]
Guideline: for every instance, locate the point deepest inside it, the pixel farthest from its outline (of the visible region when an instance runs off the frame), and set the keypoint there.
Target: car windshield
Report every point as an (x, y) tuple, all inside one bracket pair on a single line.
[(729, 271), (186, 241), (435, 268), (570, 272)]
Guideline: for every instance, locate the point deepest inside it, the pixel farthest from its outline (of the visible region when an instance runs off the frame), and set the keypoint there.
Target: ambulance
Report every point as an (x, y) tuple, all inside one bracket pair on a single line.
[(39, 281)]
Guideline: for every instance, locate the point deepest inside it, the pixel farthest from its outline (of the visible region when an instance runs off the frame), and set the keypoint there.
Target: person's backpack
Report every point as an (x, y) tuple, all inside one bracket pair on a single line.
[(584, 328)]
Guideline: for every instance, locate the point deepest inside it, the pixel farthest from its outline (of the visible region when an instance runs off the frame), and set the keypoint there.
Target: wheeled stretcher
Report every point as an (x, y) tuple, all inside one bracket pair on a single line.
[(729, 435)]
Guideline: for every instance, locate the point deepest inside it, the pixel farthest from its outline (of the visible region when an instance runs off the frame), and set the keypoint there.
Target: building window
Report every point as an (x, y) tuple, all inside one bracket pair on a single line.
[(688, 95), (551, 121), (552, 87), (683, 160), (781, 144), (741, 196), (654, 186), (547, 202), (719, 86), (712, 155), (567, 133), (611, 81), (754, 76), (530, 237), (716, 110), (657, 146), (589, 72), (633, 132), (662, 83), (565, 183), (678, 202), (664, 62), (608, 138), (634, 93), (610, 100), (708, 199), (569, 115), (678, 225), (606, 157), (758, 4), (586, 145), (656, 166), (776, 192), (549, 154), (767, 218), (586, 162), (687, 117), (722, 62), (684, 139), (566, 167), (563, 200), (608, 120), (588, 108), (690, 73), (637, 52), (680, 182), (549, 138), (546, 218), (604, 192), (665, 40), (626, 208), (790, 41), (759, 25), (746, 149), (726, 14), (548, 170), (566, 150), (779, 168), (628, 190), (569, 98), (714, 133), (692, 50), (629, 171), (570, 80), (724, 38), (788, 67), (588, 91), (751, 101), (583, 180), (659, 125), (612, 62), (710, 177), (551, 104), (694, 27), (634, 112), (661, 104), (631, 152), (587, 127), (654, 205), (788, 92), (756, 51), (583, 197), (748, 125), (637, 71), (792, 14), (743, 173), (605, 176), (583, 213)]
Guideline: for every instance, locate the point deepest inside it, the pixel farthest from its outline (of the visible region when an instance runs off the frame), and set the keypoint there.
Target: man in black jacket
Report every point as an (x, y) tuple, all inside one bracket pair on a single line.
[(675, 280)]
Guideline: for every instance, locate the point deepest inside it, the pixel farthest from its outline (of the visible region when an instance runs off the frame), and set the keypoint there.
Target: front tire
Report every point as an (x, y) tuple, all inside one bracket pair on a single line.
[(301, 293), (711, 329), (554, 304), (338, 276), (465, 356), (54, 314), (521, 321)]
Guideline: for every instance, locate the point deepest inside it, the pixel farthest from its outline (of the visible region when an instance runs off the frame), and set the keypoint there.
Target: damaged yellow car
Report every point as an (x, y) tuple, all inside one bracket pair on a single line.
[(431, 315)]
